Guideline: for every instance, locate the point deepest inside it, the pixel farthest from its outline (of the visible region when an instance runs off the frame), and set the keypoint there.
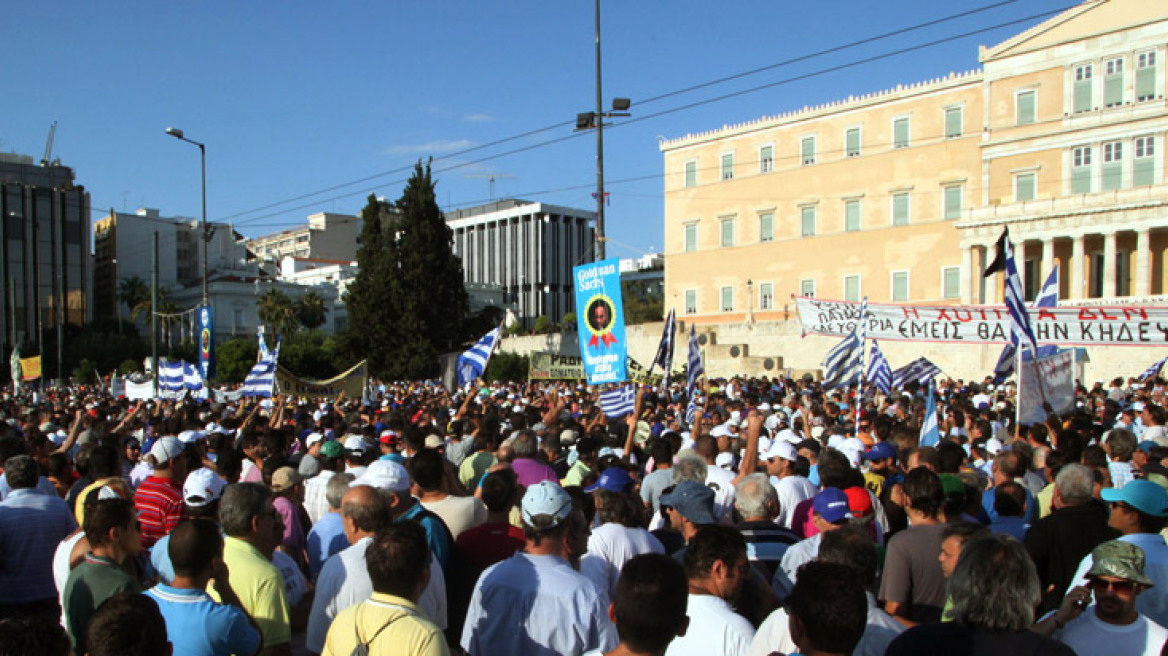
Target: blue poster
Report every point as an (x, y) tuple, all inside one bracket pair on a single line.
[(206, 342), (600, 321)]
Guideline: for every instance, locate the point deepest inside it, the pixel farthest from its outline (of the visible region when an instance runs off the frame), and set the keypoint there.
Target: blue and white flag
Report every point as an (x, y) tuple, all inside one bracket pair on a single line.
[(618, 402), (177, 377), (1047, 298), (920, 370), (694, 367), (664, 357), (600, 322), (930, 429), (843, 363), (879, 372), (1153, 370), (473, 362), (261, 379), (1015, 301), (263, 344), (691, 412)]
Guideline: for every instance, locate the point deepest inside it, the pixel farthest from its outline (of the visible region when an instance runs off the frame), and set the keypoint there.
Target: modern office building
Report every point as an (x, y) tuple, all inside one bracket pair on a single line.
[(44, 248), (525, 249), (326, 236), (899, 195)]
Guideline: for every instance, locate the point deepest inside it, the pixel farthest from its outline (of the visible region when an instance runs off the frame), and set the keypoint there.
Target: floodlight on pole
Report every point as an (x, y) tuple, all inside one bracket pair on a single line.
[(206, 235)]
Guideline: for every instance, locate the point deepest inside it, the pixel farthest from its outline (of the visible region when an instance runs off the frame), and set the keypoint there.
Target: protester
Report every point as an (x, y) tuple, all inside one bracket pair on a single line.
[(913, 586), (649, 605), (717, 568), (128, 625), (327, 535)]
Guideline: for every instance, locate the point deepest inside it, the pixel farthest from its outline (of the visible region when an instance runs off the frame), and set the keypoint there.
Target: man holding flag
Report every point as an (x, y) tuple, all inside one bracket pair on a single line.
[(473, 362)]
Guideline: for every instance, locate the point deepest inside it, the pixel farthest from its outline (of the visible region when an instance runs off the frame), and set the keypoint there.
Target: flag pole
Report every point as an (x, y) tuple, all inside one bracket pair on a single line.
[(859, 400)]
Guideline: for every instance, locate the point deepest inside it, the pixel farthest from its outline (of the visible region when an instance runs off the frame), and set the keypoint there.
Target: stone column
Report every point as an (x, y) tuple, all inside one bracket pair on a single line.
[(1143, 262), (1110, 289), (966, 274), (993, 284), (1020, 263), (1078, 258), (1047, 259)]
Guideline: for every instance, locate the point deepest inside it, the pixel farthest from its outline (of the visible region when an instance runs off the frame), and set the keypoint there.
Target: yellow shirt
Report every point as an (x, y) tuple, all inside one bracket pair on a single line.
[(1045, 500), (404, 629), (260, 588), (116, 481)]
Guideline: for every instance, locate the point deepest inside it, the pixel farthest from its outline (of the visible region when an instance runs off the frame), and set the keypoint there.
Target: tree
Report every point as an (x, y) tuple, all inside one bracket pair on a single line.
[(543, 325), (234, 358), (507, 367), (277, 310), (371, 327), (311, 310), (642, 305), (132, 291)]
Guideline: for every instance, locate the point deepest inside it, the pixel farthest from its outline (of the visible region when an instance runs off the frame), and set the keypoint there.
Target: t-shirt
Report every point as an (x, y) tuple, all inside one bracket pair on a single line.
[(160, 508), (653, 485), (459, 513), (714, 629), (485, 545), (473, 467), (912, 573), (1087, 634), (389, 625), (611, 546), (791, 491), (93, 581), (530, 471), (326, 538), (197, 626), (260, 588), (775, 635)]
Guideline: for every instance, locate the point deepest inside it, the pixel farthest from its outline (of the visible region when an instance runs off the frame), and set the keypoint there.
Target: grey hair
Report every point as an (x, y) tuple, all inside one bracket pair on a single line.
[(1121, 444), (336, 488), (21, 472), (753, 494), (995, 585), (525, 444), (690, 467), (1075, 483), (241, 503)]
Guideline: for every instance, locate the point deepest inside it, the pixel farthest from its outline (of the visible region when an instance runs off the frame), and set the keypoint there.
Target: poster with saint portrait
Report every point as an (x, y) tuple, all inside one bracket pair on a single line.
[(600, 320)]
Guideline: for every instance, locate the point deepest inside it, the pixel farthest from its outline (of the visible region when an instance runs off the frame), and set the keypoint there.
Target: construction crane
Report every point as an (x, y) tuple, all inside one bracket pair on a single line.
[(491, 178), (47, 160)]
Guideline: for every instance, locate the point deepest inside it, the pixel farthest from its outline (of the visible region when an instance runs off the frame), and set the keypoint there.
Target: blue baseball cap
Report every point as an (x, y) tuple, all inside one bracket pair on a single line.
[(613, 479), (832, 505), (693, 500), (1144, 496), (880, 451)]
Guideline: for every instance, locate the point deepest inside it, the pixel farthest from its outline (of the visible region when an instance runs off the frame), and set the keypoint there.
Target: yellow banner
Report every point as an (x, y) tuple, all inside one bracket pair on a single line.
[(30, 368), (352, 383)]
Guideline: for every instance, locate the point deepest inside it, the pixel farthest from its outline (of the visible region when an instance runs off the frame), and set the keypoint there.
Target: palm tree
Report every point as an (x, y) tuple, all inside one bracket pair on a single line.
[(276, 309), (132, 291), (143, 307), (311, 310)]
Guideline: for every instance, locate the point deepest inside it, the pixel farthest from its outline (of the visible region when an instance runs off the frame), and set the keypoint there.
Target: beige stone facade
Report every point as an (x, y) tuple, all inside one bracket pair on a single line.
[(899, 195)]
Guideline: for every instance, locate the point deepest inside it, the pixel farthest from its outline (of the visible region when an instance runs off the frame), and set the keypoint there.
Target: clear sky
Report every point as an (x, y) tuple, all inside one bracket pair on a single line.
[(297, 97)]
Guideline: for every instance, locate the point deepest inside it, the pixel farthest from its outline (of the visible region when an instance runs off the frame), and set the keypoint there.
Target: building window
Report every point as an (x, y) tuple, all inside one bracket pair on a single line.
[(900, 132), (1113, 82), (808, 221), (1146, 75), (852, 142), (807, 287), (691, 301), (691, 237), (1084, 88), (900, 286), (900, 208), (728, 166), (951, 282), (1025, 106), (727, 299), (1025, 186), (1144, 172), (766, 296), (952, 209), (1112, 165), (691, 173), (851, 215), (1081, 170), (727, 233), (766, 159), (852, 288), (807, 150), (953, 120), (766, 226)]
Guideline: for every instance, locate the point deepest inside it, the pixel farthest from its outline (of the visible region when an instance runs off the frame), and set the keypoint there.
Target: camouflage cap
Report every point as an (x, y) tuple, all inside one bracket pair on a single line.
[(1122, 560)]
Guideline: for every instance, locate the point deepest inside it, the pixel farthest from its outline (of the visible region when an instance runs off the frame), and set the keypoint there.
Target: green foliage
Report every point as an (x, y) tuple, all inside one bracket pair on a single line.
[(643, 304), (505, 366), (568, 323), (407, 303), (310, 354), (485, 321), (234, 358), (184, 350), (311, 310), (516, 329), (543, 325), (128, 367), (85, 373), (276, 309)]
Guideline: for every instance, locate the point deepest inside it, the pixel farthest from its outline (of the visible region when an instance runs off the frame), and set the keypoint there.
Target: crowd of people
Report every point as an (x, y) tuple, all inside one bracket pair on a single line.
[(518, 519)]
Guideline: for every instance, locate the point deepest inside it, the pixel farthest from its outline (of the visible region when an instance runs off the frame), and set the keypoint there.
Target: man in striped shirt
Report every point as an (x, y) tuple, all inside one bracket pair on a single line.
[(159, 499)]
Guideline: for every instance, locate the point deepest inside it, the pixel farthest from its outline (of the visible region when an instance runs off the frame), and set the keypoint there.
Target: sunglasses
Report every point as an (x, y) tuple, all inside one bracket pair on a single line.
[(1124, 588)]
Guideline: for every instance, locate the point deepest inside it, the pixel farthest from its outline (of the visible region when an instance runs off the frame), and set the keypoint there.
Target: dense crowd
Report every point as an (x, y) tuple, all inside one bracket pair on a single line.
[(519, 519)]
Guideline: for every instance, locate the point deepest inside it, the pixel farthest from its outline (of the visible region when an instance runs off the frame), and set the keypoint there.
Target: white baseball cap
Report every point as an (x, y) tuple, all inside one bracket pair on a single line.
[(781, 449), (354, 443), (202, 488), (384, 475), (313, 438), (165, 450)]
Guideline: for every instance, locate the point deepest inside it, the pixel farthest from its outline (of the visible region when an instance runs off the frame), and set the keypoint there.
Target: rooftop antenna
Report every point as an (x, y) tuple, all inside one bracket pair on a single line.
[(491, 178), (48, 158)]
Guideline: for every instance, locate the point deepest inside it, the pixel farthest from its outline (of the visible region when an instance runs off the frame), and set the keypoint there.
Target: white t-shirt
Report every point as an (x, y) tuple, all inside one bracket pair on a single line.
[(295, 585), (792, 491), (1087, 634), (61, 567), (611, 546), (459, 513), (714, 629), (721, 481), (775, 633)]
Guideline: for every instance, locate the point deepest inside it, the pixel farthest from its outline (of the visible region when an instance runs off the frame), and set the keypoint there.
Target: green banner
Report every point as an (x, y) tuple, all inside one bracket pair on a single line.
[(550, 366), (352, 383)]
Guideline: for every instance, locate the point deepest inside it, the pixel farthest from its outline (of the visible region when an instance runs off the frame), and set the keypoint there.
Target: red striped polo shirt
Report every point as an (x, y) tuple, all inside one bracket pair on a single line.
[(160, 508)]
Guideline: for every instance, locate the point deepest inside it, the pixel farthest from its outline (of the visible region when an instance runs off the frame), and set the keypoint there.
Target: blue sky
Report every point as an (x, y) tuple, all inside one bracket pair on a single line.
[(297, 97)]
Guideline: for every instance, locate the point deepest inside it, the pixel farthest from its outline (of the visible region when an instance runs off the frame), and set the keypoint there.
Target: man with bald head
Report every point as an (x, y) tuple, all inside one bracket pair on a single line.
[(344, 580)]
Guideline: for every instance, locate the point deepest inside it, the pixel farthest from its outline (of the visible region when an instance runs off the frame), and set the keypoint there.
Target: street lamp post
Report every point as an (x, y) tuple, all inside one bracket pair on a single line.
[(206, 235)]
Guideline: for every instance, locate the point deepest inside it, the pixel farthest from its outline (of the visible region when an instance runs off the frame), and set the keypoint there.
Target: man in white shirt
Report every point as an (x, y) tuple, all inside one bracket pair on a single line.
[(619, 536), (791, 488), (649, 605), (717, 568)]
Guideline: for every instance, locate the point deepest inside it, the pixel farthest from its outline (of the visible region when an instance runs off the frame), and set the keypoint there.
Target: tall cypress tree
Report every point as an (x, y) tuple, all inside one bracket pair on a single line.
[(370, 329)]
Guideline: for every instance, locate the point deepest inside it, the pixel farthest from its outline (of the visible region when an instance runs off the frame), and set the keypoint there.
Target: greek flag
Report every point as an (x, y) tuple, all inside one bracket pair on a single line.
[(664, 357), (1153, 370), (1015, 301), (1047, 298), (920, 370), (691, 412), (176, 377), (263, 344), (878, 370), (472, 363), (619, 402), (843, 363), (930, 430), (695, 369), (262, 378)]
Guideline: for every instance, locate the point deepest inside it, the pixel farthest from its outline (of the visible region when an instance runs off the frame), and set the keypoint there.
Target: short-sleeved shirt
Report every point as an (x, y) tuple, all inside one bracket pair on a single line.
[(653, 485), (326, 538), (160, 508), (530, 471), (260, 588), (31, 527), (458, 513), (197, 626), (714, 628), (437, 534), (93, 581), (912, 573), (315, 502), (389, 625), (611, 546), (488, 544), (473, 467), (1087, 634)]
